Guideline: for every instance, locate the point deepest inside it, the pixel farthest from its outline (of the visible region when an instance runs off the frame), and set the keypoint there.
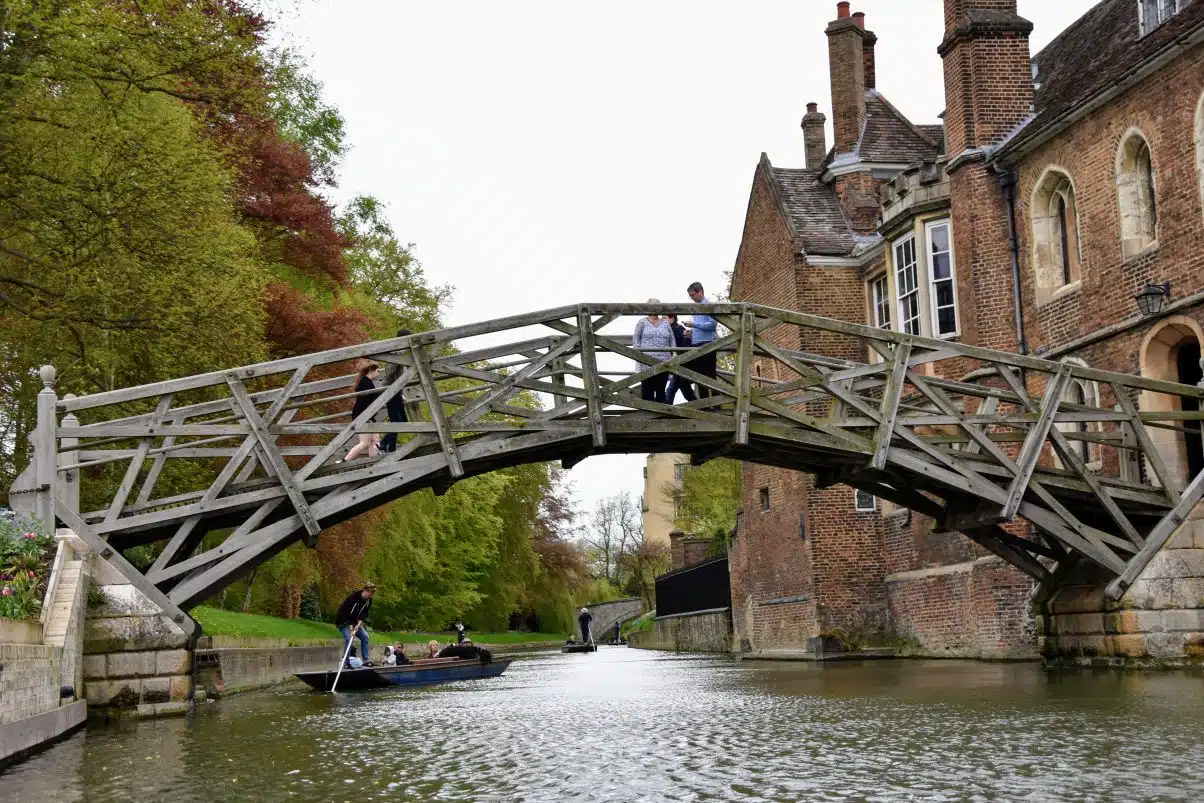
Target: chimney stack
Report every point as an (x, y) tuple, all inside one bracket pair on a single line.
[(988, 72), (867, 51), (815, 139), (847, 45)]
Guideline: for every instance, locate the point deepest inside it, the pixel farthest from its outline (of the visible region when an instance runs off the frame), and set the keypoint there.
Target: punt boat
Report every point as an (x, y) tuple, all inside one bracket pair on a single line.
[(416, 673), (579, 648)]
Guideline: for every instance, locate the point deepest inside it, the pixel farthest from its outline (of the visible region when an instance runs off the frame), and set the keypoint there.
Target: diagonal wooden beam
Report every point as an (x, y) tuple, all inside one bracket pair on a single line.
[(1178, 516), (589, 377), (283, 475), (988, 538), (135, 466), (446, 441), (507, 385), (1152, 455), (1030, 453), (890, 405)]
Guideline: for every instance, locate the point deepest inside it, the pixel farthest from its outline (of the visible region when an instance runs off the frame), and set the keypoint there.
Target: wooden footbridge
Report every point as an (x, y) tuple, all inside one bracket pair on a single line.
[(971, 437)]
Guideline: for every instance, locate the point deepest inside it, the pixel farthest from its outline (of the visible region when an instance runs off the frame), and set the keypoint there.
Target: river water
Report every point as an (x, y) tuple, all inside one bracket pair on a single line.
[(628, 725)]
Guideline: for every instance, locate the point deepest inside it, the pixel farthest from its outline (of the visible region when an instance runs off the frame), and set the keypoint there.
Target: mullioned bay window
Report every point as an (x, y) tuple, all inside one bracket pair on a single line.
[(917, 294)]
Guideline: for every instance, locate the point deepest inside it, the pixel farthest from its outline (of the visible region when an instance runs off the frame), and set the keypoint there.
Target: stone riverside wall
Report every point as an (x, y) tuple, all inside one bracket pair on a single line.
[(223, 671), (136, 660), (702, 631), (1158, 622), (29, 680)]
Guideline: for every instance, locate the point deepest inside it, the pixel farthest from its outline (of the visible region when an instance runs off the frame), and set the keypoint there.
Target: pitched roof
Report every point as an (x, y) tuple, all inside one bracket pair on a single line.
[(812, 210), (1093, 54), (888, 136)]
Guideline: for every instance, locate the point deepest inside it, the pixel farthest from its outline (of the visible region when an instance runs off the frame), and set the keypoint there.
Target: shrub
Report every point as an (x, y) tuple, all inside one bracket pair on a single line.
[(26, 553)]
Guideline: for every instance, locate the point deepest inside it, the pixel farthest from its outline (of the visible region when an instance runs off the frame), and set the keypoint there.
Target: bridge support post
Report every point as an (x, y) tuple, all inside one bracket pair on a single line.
[(45, 451)]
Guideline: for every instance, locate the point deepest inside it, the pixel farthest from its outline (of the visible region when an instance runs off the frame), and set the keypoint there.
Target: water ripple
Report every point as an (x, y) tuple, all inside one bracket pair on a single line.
[(623, 725)]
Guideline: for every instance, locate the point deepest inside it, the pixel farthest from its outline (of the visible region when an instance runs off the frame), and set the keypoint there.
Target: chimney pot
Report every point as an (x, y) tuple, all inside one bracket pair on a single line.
[(842, 10), (859, 18), (812, 108)]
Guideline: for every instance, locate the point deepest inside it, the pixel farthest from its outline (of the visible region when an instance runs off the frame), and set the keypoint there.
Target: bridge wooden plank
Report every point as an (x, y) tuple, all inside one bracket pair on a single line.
[(744, 367), (273, 456), (890, 405), (589, 377), (438, 417), (236, 540), (1148, 449), (1158, 537), (135, 467)]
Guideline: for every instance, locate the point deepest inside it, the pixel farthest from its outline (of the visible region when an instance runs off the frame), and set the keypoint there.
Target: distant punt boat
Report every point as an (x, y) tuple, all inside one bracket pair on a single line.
[(417, 673), (579, 648)]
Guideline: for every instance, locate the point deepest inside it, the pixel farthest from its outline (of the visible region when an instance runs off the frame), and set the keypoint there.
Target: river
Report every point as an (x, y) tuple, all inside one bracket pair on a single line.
[(628, 725)]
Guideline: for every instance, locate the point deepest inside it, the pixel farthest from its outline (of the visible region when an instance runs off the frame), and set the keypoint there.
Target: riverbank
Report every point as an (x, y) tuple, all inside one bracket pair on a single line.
[(224, 625)]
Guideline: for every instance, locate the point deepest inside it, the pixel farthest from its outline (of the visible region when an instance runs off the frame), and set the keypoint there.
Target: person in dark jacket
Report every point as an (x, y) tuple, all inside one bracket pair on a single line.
[(365, 386), (584, 620), (351, 615), (396, 405), (461, 633), (682, 336)]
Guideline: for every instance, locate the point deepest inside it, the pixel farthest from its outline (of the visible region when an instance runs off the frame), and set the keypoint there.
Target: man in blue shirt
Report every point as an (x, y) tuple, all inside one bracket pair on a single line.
[(704, 328)]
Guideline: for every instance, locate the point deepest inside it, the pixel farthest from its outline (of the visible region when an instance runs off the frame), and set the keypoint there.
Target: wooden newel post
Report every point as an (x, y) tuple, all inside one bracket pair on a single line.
[(45, 451), (68, 481)]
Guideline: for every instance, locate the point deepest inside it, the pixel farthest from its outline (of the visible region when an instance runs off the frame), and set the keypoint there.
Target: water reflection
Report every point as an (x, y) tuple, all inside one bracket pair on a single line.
[(630, 725)]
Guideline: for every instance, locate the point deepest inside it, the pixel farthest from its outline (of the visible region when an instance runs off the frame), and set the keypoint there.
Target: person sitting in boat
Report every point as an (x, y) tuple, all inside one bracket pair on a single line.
[(432, 649), (399, 655), (389, 659), (466, 650), (351, 615)]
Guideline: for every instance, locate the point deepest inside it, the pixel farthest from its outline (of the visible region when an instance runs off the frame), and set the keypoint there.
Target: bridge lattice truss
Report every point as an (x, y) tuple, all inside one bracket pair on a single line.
[(973, 452)]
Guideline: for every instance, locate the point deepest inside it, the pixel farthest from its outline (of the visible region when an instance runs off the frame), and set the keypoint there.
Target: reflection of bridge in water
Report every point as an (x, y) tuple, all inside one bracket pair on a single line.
[(973, 455)]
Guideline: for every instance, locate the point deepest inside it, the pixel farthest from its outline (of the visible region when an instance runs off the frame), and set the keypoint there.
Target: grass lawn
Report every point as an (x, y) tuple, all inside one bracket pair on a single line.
[(218, 622)]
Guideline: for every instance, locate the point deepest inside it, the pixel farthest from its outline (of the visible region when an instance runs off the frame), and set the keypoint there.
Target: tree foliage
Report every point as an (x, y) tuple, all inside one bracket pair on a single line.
[(708, 499)]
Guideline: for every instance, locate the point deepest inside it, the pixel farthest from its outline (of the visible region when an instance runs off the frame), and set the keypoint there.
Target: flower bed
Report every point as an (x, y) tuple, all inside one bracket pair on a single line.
[(26, 555)]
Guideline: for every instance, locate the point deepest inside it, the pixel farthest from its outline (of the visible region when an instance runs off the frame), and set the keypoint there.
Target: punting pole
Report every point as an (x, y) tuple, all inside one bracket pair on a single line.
[(343, 662)]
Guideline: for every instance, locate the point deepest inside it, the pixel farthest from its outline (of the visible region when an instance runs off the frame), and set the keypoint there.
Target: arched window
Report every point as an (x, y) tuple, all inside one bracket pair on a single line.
[(1135, 187), (1057, 257)]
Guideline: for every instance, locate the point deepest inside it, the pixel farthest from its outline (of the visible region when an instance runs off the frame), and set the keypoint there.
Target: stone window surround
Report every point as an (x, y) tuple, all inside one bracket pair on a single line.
[(859, 503), (1137, 194), (1164, 9), (1048, 269), (1089, 393), (1200, 147)]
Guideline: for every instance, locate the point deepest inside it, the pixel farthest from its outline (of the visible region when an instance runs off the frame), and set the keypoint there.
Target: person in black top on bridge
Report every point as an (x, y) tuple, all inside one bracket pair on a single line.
[(396, 405), (365, 386), (351, 615)]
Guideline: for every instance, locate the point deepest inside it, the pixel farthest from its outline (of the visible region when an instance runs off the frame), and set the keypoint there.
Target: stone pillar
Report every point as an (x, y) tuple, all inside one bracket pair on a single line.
[(45, 453), (137, 661), (677, 547)]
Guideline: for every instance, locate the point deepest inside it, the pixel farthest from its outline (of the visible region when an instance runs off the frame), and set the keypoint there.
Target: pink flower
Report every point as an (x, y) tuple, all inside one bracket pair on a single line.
[(31, 536), (32, 575), (6, 591)]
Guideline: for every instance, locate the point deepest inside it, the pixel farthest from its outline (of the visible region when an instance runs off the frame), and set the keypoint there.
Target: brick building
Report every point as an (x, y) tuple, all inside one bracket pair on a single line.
[(1057, 188)]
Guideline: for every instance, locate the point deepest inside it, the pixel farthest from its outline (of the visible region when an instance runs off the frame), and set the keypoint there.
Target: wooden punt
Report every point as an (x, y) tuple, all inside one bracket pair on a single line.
[(416, 673)]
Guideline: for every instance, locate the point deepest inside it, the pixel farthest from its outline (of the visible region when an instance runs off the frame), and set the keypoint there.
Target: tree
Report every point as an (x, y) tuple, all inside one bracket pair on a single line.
[(614, 528), (708, 499)]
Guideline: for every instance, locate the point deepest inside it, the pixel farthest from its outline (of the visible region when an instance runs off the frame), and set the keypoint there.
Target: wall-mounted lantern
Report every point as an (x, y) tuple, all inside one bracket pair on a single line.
[(1152, 297)]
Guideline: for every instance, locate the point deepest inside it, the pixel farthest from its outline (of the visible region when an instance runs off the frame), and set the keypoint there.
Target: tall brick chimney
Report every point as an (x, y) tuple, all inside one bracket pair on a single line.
[(815, 139), (867, 51), (988, 75), (846, 62), (988, 92)]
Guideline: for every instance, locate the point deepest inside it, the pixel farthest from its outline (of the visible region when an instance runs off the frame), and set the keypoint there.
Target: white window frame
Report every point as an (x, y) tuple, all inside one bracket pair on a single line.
[(880, 302), (1177, 6), (873, 505), (679, 472), (934, 319), (898, 265)]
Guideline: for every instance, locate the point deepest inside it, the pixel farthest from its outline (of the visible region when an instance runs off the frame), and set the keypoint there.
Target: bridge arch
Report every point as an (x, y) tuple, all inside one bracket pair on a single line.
[(562, 384)]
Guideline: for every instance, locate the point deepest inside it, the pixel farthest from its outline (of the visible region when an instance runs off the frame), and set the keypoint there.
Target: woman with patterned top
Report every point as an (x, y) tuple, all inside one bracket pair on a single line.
[(652, 334)]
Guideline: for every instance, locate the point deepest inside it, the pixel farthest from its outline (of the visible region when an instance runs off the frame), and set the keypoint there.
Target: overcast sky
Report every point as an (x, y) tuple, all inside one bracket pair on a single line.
[(549, 153)]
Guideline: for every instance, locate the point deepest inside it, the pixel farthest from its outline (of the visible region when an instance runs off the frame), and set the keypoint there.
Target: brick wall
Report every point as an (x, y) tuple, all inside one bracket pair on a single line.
[(1087, 152), (29, 680)]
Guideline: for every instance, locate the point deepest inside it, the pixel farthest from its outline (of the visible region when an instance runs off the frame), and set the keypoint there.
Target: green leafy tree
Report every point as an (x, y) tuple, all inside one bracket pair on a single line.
[(708, 499)]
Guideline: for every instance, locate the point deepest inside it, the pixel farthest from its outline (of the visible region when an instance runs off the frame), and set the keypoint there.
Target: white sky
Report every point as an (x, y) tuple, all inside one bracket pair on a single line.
[(544, 153)]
